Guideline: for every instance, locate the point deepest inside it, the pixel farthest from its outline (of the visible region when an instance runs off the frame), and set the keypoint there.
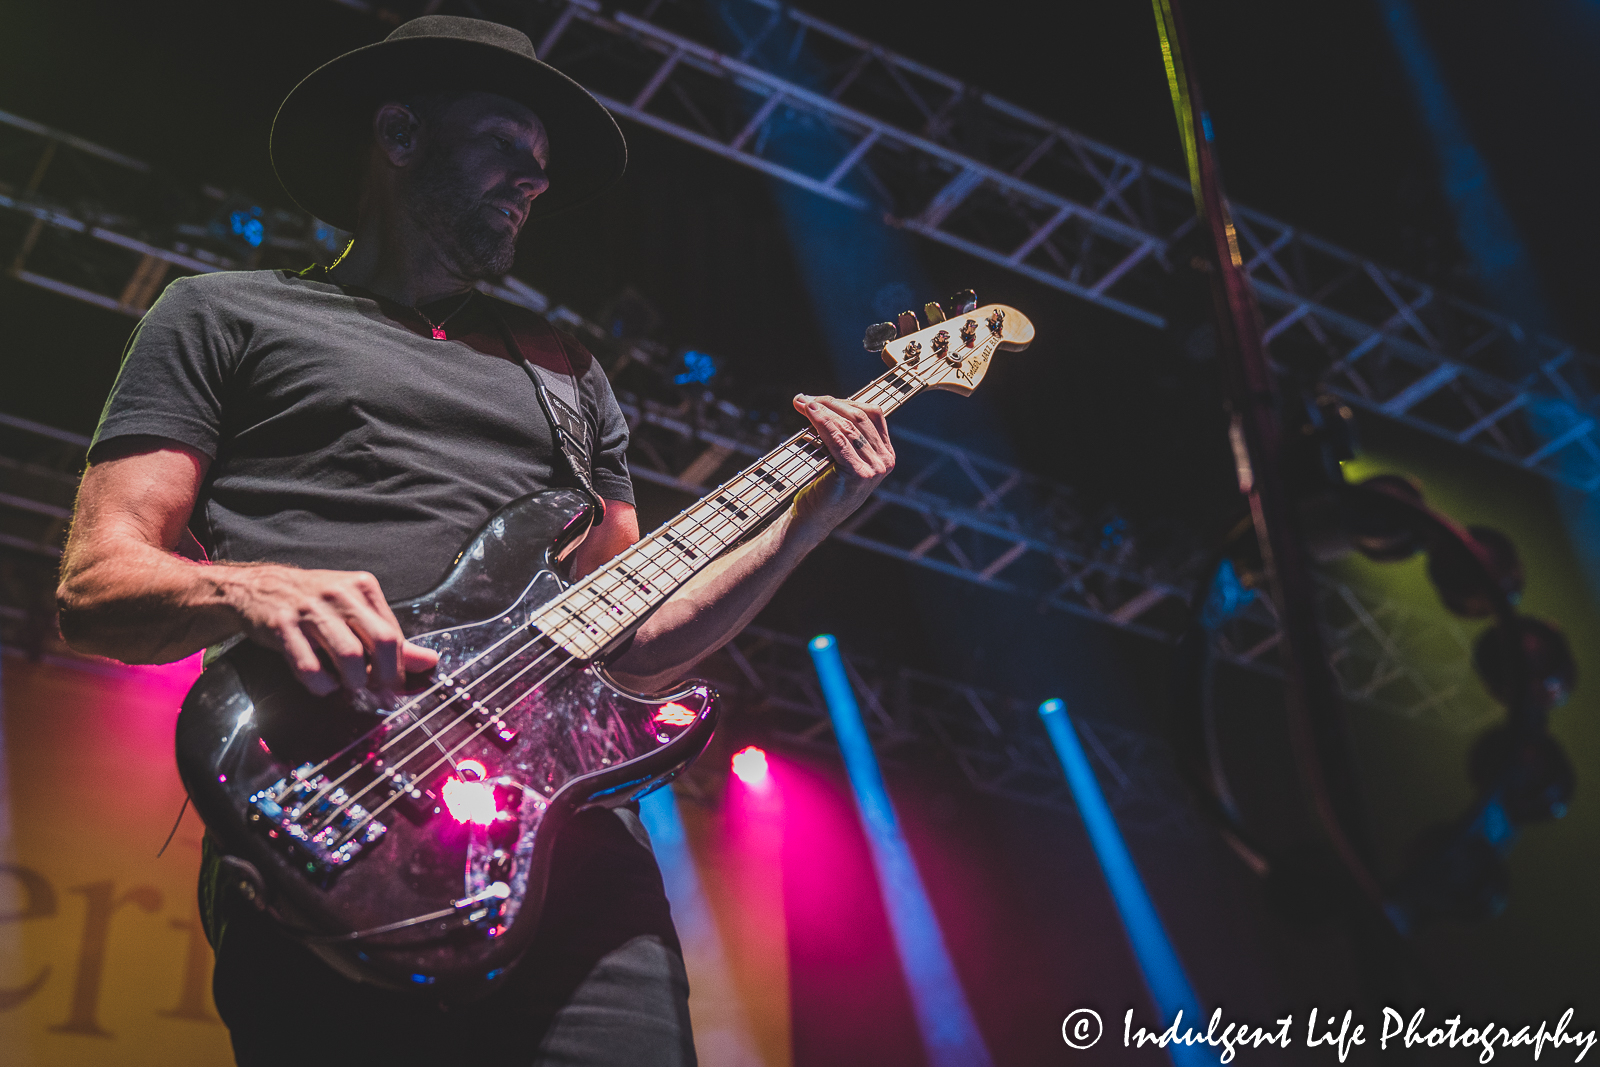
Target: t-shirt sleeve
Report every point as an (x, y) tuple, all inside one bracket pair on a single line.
[(173, 373), (611, 478)]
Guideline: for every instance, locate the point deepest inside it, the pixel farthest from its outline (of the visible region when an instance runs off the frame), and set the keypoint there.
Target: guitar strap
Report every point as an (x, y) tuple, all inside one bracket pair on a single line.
[(558, 397), (563, 406)]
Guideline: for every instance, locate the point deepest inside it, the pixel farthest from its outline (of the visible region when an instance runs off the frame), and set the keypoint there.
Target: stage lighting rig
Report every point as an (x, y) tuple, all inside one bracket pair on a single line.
[(1519, 771), (1288, 458)]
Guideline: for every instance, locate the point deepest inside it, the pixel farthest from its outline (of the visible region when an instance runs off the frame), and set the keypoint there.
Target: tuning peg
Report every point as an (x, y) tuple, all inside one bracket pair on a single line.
[(878, 335), (932, 312), (907, 323), (963, 302)]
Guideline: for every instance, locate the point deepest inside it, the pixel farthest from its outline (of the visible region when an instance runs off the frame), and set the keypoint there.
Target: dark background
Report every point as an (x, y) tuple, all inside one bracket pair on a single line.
[(1315, 125)]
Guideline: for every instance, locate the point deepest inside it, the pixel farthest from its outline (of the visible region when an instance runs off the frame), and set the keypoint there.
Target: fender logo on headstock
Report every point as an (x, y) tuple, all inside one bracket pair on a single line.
[(971, 370), (950, 354)]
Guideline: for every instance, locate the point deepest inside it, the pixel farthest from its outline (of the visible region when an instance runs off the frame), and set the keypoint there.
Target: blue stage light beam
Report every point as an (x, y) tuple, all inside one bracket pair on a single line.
[(1500, 258), (1483, 224), (1163, 971), (949, 1031), (691, 911)]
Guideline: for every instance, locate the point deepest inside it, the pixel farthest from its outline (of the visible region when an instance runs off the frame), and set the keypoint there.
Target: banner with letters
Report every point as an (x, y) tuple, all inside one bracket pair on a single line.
[(102, 959)]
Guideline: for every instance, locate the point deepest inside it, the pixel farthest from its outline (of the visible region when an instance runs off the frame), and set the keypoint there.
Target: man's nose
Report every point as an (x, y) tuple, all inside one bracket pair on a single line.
[(532, 180)]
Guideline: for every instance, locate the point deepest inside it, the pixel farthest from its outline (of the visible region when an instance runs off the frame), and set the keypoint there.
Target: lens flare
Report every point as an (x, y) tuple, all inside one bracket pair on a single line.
[(750, 764), (675, 715), (470, 801)]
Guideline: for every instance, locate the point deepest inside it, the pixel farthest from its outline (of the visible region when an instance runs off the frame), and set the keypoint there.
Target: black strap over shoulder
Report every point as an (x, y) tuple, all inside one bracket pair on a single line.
[(563, 406)]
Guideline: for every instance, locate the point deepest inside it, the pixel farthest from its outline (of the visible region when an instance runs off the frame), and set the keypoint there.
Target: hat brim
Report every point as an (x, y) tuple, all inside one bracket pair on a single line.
[(324, 127)]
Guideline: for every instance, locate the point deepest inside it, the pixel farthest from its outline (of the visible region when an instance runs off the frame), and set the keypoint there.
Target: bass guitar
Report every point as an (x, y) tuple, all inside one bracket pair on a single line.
[(409, 847)]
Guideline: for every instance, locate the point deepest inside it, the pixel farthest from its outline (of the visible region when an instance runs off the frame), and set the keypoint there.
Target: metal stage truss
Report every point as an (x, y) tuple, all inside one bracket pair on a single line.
[(83, 228), (97, 226), (995, 740), (773, 88)]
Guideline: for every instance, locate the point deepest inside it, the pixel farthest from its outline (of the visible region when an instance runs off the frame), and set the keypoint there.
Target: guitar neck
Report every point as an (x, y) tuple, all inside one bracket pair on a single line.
[(600, 609)]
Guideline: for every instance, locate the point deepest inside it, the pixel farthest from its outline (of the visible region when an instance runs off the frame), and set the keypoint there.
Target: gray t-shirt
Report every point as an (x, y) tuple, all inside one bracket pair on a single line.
[(342, 434)]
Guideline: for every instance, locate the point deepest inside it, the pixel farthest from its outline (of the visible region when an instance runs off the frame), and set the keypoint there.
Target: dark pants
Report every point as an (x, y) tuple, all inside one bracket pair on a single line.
[(602, 985)]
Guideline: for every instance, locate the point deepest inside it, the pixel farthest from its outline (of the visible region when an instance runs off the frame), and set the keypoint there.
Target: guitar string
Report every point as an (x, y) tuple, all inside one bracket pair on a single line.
[(645, 553), (334, 783), (790, 466), (882, 385), (463, 691), (343, 808), (803, 449), (438, 684), (449, 757), (891, 386), (459, 693), (443, 682), (800, 453)]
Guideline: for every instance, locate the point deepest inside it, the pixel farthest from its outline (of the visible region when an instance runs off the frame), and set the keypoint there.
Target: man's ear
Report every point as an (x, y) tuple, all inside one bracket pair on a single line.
[(397, 130)]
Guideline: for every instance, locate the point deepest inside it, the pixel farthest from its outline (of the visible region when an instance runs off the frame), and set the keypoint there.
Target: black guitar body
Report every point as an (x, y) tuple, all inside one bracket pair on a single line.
[(359, 821)]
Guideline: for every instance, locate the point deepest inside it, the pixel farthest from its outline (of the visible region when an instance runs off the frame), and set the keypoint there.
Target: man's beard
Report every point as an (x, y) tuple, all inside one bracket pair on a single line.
[(459, 221)]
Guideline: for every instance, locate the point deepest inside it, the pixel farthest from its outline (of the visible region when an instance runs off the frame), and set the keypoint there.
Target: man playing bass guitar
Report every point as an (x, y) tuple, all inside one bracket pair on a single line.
[(333, 437)]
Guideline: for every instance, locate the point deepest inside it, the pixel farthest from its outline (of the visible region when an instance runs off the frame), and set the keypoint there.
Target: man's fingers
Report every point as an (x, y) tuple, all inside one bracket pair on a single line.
[(342, 645), (373, 595), (339, 613), (880, 422), (303, 660), (867, 421), (382, 640), (415, 659), (856, 434)]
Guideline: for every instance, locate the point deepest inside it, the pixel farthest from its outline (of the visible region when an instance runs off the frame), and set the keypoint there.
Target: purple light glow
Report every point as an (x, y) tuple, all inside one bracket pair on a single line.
[(750, 765), (470, 798)]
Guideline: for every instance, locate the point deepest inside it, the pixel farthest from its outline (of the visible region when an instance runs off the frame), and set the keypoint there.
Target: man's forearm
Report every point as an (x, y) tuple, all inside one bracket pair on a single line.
[(130, 600), (715, 604), (138, 604), (719, 601)]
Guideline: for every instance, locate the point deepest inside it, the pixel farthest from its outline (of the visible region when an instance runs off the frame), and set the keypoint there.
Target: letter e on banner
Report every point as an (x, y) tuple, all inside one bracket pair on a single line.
[(38, 902), (102, 904)]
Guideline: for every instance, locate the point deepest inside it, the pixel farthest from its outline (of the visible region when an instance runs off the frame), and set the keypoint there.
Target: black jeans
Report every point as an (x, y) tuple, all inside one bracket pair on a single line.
[(602, 985)]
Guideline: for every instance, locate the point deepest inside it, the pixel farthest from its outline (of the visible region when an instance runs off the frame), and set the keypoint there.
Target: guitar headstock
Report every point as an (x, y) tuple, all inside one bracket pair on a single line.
[(954, 354)]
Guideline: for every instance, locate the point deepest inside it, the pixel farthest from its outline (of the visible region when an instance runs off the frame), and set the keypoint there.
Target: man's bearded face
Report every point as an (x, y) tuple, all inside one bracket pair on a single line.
[(461, 216), (482, 163)]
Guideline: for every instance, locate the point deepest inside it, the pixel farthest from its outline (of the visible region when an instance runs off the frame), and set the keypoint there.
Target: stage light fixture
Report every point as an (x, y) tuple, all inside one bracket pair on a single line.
[(1531, 672), (246, 224), (1382, 525), (238, 222), (698, 368), (1471, 578), (750, 766)]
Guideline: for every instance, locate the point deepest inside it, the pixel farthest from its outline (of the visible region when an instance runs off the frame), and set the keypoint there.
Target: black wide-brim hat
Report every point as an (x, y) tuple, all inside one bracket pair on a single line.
[(324, 127)]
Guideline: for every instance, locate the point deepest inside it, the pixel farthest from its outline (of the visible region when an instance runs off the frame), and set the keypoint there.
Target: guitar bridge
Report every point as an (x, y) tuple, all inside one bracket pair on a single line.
[(481, 713), (314, 821)]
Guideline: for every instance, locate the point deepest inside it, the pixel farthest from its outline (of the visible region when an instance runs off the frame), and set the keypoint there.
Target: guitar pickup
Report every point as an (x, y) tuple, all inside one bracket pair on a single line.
[(418, 802), (482, 714), (316, 823)]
